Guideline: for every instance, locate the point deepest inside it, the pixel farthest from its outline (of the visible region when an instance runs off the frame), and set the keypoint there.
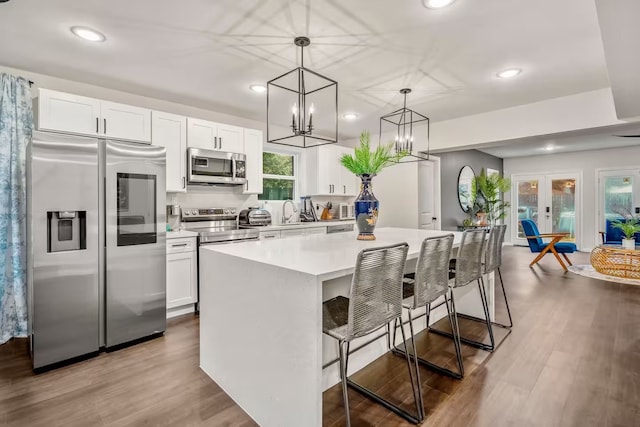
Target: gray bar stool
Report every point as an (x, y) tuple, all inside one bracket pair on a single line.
[(375, 300), (492, 263), (468, 269), (430, 282)]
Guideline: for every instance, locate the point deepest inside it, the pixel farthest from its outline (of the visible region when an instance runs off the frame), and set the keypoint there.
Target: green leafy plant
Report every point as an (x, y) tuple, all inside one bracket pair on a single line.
[(629, 227), (486, 193), (363, 161)]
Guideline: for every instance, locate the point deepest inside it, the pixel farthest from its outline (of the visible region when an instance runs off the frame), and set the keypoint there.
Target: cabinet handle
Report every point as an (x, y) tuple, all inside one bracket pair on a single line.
[(269, 237), (345, 189), (105, 126), (179, 245), (215, 142), (220, 140), (183, 182), (246, 185), (97, 125)]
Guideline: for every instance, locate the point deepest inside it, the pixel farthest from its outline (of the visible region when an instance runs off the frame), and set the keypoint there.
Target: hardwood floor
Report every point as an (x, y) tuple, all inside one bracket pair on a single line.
[(572, 359)]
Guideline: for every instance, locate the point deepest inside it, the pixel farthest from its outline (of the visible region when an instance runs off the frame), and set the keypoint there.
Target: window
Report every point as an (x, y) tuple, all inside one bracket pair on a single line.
[(279, 176)]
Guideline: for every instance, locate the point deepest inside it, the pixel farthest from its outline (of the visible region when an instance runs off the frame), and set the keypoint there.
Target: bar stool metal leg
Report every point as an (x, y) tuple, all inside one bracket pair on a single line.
[(343, 377), (506, 302), (419, 360), (487, 320), (417, 392), (456, 334), (415, 362)]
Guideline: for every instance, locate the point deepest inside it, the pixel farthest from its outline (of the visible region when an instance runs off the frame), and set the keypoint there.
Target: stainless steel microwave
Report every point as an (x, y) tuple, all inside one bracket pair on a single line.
[(210, 167)]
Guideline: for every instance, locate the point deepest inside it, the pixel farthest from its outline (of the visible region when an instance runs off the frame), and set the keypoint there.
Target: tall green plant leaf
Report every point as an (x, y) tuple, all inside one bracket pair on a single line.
[(363, 161)]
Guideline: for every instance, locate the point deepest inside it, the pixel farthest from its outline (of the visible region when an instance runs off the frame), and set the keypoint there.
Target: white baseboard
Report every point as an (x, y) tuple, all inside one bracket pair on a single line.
[(179, 311)]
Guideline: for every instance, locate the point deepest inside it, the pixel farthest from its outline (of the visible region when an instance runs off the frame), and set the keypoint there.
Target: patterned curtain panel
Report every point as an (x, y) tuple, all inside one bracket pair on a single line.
[(16, 126)]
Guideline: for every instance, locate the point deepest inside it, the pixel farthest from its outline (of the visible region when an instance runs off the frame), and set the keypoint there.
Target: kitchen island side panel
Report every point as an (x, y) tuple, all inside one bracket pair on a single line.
[(261, 338)]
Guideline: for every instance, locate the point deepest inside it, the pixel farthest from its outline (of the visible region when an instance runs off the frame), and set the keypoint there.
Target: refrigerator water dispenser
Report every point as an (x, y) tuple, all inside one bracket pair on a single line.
[(66, 231)]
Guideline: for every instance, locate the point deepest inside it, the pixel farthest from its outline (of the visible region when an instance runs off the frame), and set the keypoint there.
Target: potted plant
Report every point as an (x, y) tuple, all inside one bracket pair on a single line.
[(487, 191), (366, 164), (629, 228)]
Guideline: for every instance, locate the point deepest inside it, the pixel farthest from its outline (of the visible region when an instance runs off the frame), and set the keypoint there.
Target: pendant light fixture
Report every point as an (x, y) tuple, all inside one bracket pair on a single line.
[(403, 121), (302, 106)]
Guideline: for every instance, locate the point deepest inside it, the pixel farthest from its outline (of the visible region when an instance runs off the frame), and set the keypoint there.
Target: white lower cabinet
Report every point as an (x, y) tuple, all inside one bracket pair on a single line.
[(182, 280)]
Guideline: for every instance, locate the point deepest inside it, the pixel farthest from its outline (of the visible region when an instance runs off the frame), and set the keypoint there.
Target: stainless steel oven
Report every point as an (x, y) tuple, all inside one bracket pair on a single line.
[(210, 167)]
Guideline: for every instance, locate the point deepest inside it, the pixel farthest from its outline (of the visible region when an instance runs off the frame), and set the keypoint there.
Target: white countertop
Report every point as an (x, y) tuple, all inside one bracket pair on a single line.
[(181, 234), (274, 227), (326, 255)]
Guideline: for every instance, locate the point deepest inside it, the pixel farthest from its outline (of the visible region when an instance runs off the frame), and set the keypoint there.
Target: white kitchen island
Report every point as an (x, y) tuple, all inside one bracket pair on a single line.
[(261, 334)]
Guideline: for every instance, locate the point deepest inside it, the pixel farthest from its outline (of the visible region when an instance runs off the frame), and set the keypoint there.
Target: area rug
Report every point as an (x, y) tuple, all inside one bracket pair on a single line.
[(587, 270)]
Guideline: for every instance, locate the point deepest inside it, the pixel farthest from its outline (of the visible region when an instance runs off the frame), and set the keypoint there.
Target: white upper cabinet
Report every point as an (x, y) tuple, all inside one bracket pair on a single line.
[(253, 144), (214, 136), (202, 134), (120, 121), (170, 131), (349, 183), (64, 112), (230, 138), (325, 175)]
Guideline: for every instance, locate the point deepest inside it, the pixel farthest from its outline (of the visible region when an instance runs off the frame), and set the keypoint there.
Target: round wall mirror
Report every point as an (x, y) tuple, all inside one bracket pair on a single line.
[(465, 180)]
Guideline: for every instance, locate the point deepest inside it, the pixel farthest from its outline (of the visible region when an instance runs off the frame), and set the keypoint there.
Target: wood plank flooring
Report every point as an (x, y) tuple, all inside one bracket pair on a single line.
[(572, 359)]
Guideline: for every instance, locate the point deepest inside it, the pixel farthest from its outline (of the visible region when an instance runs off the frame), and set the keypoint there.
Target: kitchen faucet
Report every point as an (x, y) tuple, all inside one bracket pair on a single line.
[(285, 219)]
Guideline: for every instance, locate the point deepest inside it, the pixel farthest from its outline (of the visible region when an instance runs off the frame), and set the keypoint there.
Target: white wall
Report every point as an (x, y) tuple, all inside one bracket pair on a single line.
[(585, 162), (396, 187)]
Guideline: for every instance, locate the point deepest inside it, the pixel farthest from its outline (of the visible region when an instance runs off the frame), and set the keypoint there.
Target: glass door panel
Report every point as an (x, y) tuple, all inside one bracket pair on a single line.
[(619, 196), (527, 202), (563, 207)]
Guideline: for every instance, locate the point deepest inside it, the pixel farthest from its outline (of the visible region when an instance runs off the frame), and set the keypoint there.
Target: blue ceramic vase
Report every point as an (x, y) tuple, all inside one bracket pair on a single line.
[(366, 209)]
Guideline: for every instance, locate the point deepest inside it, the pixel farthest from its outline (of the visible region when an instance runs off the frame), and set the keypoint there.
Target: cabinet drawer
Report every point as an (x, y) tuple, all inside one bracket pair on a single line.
[(316, 230), (269, 235), (291, 233), (185, 244)]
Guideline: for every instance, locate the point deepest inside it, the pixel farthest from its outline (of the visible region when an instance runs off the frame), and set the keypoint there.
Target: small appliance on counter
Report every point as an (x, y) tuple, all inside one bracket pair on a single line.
[(254, 217), (346, 211), (307, 213)]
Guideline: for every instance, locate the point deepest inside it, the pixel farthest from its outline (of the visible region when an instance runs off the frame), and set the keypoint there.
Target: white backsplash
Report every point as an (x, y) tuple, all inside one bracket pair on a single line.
[(232, 197)]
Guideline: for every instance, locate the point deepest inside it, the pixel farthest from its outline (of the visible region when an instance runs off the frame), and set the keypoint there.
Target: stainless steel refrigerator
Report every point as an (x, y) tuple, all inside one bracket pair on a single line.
[(96, 230)]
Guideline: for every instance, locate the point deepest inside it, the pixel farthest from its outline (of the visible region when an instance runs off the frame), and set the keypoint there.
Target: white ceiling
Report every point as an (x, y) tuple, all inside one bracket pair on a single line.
[(583, 140), (207, 52)]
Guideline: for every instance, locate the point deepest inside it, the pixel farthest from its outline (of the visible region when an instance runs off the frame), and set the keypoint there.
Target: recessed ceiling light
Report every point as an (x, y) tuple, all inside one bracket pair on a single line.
[(508, 73), (349, 116), (258, 88), (88, 34), (436, 4)]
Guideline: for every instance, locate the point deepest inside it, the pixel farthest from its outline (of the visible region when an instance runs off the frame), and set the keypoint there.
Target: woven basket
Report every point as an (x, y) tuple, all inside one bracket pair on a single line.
[(615, 261)]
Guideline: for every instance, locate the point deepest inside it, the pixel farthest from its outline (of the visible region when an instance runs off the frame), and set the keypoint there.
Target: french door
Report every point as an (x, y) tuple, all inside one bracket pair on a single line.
[(552, 201), (618, 195)]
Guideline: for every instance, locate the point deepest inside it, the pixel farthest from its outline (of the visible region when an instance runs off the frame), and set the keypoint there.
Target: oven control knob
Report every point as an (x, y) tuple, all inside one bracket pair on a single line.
[(194, 212), (186, 212), (232, 211)]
